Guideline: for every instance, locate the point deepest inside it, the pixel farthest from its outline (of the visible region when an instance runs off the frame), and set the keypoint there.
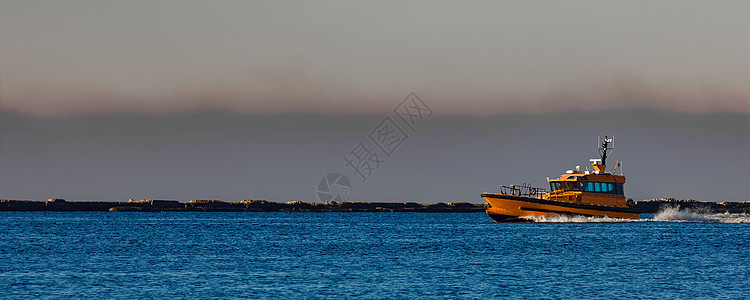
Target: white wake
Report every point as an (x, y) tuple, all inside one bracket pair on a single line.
[(666, 214), (675, 214), (578, 219)]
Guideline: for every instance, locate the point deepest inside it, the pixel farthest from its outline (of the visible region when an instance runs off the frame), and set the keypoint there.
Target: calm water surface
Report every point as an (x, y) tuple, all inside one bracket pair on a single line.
[(372, 255)]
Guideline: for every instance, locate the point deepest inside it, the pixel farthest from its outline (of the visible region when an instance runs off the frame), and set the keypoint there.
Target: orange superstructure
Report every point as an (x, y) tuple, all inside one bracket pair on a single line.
[(588, 193)]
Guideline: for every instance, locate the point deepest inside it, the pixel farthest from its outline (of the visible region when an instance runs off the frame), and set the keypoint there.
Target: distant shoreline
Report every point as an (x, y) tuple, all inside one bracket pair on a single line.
[(148, 205)]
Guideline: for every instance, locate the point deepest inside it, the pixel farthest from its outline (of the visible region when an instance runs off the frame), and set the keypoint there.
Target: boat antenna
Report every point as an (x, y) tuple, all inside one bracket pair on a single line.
[(605, 149)]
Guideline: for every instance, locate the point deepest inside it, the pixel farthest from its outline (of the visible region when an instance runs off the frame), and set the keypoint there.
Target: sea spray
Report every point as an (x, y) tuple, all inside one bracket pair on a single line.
[(675, 214), (729, 217)]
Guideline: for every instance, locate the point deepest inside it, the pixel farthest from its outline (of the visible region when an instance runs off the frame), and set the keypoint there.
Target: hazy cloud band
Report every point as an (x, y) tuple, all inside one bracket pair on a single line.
[(468, 58)]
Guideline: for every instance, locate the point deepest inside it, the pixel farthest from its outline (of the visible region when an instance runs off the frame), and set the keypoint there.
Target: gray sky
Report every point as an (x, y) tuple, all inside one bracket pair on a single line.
[(258, 99), (475, 57), (282, 157)]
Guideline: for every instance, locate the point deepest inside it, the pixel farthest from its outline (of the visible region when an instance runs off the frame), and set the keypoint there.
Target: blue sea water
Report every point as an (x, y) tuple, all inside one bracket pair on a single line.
[(370, 255)]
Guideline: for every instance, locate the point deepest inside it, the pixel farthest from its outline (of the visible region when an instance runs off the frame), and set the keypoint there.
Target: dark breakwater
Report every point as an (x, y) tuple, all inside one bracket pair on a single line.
[(242, 206), (146, 205)]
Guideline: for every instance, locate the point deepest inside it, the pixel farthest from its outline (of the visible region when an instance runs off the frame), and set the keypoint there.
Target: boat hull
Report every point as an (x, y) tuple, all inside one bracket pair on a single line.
[(508, 208)]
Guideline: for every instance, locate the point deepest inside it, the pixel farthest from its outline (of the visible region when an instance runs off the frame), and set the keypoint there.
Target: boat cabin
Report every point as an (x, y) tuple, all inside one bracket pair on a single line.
[(604, 183)]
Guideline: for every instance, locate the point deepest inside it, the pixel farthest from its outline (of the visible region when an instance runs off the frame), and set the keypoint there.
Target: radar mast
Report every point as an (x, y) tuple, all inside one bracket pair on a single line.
[(605, 149)]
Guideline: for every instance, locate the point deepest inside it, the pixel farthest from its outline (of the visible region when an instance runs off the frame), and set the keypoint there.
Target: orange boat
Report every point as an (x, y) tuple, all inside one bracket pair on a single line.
[(580, 193)]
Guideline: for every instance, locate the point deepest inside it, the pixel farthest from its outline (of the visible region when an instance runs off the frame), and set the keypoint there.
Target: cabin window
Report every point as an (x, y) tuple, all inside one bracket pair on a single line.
[(602, 187), (564, 185)]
